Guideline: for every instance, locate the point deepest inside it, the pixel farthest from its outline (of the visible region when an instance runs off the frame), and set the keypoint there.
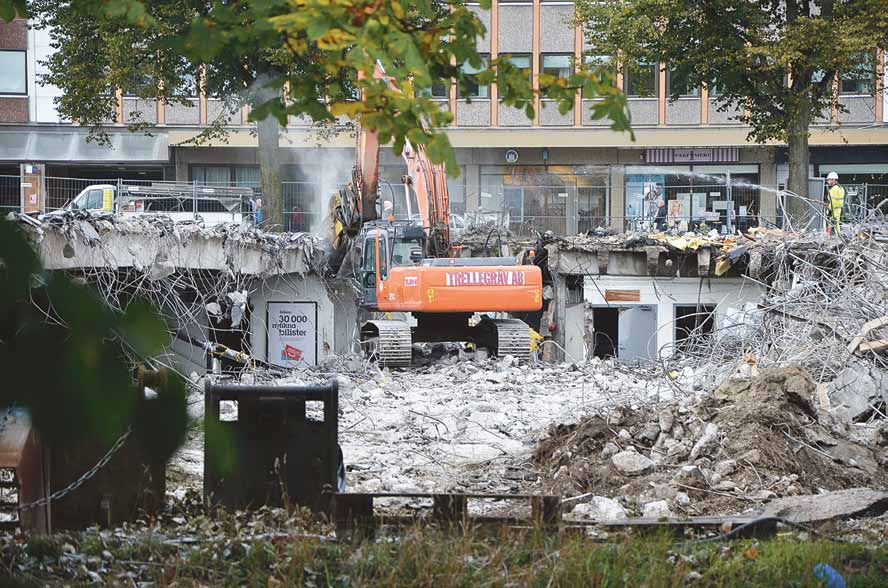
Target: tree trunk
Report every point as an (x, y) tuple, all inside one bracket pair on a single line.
[(268, 131), (799, 208)]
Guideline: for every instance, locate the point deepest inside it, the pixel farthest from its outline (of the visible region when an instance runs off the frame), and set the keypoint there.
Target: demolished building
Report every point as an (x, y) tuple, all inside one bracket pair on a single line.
[(211, 284)]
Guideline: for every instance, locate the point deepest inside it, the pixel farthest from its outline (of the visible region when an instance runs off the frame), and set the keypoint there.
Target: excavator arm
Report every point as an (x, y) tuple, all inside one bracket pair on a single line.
[(428, 181), (357, 204)]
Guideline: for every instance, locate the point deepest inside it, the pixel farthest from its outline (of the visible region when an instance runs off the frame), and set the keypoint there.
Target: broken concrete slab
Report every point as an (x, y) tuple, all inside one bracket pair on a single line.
[(630, 463), (600, 508), (841, 504), (858, 387)]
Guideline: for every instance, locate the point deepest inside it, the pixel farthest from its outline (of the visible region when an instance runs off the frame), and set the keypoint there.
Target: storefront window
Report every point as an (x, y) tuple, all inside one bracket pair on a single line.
[(866, 184), (536, 198), (683, 198)]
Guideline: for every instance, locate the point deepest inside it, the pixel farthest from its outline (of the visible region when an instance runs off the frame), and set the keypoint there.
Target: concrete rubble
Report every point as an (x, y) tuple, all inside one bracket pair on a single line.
[(785, 399), (730, 451)]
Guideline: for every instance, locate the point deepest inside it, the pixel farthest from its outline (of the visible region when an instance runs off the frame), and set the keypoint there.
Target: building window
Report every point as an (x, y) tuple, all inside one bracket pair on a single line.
[(13, 72), (591, 62), (521, 62), (677, 83), (693, 324), (860, 78), (557, 65), (438, 91), (222, 175), (642, 80), (470, 87), (190, 85)]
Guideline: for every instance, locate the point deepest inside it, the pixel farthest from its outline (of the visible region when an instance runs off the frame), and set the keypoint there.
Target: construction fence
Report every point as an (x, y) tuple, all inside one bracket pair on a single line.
[(522, 209)]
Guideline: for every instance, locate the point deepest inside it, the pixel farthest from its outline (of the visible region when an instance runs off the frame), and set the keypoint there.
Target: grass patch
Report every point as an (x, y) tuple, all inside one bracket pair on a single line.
[(432, 558)]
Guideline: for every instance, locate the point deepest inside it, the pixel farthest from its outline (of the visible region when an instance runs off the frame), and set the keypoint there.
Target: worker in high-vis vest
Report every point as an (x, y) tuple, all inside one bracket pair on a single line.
[(836, 195)]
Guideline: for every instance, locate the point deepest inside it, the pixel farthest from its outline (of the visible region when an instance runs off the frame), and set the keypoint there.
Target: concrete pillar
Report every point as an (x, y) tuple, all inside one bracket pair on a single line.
[(181, 165), (560, 286), (473, 187), (617, 197), (572, 212), (768, 195)]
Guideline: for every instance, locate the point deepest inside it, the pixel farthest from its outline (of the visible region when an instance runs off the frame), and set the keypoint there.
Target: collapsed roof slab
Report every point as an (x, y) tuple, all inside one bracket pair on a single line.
[(159, 246), (654, 261)]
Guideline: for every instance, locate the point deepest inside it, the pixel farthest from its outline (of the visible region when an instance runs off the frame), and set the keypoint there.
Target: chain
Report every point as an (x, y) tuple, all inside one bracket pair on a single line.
[(82, 479)]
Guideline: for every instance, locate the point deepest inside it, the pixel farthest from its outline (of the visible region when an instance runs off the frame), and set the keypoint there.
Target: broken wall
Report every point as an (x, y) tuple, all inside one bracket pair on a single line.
[(728, 295), (336, 313)]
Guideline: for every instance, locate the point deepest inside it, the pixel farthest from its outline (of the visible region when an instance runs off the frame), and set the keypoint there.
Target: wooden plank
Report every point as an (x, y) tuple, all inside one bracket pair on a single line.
[(622, 295)]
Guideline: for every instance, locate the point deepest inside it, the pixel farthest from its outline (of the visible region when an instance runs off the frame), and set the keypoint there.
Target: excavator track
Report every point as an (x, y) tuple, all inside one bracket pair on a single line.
[(389, 341), (513, 338)]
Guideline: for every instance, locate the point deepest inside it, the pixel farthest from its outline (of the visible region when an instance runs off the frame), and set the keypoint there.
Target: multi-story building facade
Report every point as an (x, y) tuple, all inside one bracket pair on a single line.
[(564, 172)]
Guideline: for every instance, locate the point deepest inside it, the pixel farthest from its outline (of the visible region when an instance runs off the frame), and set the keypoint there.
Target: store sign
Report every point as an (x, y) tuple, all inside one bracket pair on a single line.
[(693, 155), (292, 335)]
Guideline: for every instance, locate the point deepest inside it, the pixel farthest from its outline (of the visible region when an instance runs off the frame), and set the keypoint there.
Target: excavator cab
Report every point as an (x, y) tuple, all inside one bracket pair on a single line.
[(396, 244), (374, 265)]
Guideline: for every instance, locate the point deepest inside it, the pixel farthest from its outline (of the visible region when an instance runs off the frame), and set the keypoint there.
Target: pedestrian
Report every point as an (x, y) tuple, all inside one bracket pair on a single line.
[(298, 220), (259, 212), (835, 194), (660, 218)]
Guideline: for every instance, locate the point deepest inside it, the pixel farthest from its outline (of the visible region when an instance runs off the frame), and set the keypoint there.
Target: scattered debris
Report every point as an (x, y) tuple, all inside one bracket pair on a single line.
[(744, 444), (841, 504)]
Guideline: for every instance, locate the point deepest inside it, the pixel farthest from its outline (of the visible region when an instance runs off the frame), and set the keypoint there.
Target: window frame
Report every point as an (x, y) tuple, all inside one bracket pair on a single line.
[(232, 181), (695, 92), (570, 69), (869, 81), (510, 57), (596, 60), (628, 79), (461, 94), (430, 92), (24, 53)]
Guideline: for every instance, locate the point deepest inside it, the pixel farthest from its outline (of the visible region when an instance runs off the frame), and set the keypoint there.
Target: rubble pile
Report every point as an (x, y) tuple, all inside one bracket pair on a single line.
[(750, 441), (454, 424)]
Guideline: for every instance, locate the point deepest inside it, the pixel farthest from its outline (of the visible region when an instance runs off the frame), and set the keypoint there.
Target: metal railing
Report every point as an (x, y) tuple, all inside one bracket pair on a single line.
[(525, 210)]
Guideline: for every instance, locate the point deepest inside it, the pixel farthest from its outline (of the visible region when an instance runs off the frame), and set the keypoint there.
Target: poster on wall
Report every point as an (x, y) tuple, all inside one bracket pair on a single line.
[(292, 335)]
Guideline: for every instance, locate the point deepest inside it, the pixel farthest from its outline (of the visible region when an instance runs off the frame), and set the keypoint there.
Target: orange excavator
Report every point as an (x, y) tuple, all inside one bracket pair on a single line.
[(409, 266)]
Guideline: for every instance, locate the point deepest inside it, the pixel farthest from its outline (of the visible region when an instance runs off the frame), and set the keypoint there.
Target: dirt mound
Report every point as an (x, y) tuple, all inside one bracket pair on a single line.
[(748, 442)]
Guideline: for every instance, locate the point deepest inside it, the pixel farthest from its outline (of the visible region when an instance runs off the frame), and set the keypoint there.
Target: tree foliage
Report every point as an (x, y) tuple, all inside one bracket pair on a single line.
[(745, 49), (307, 54), (66, 357), (775, 60)]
